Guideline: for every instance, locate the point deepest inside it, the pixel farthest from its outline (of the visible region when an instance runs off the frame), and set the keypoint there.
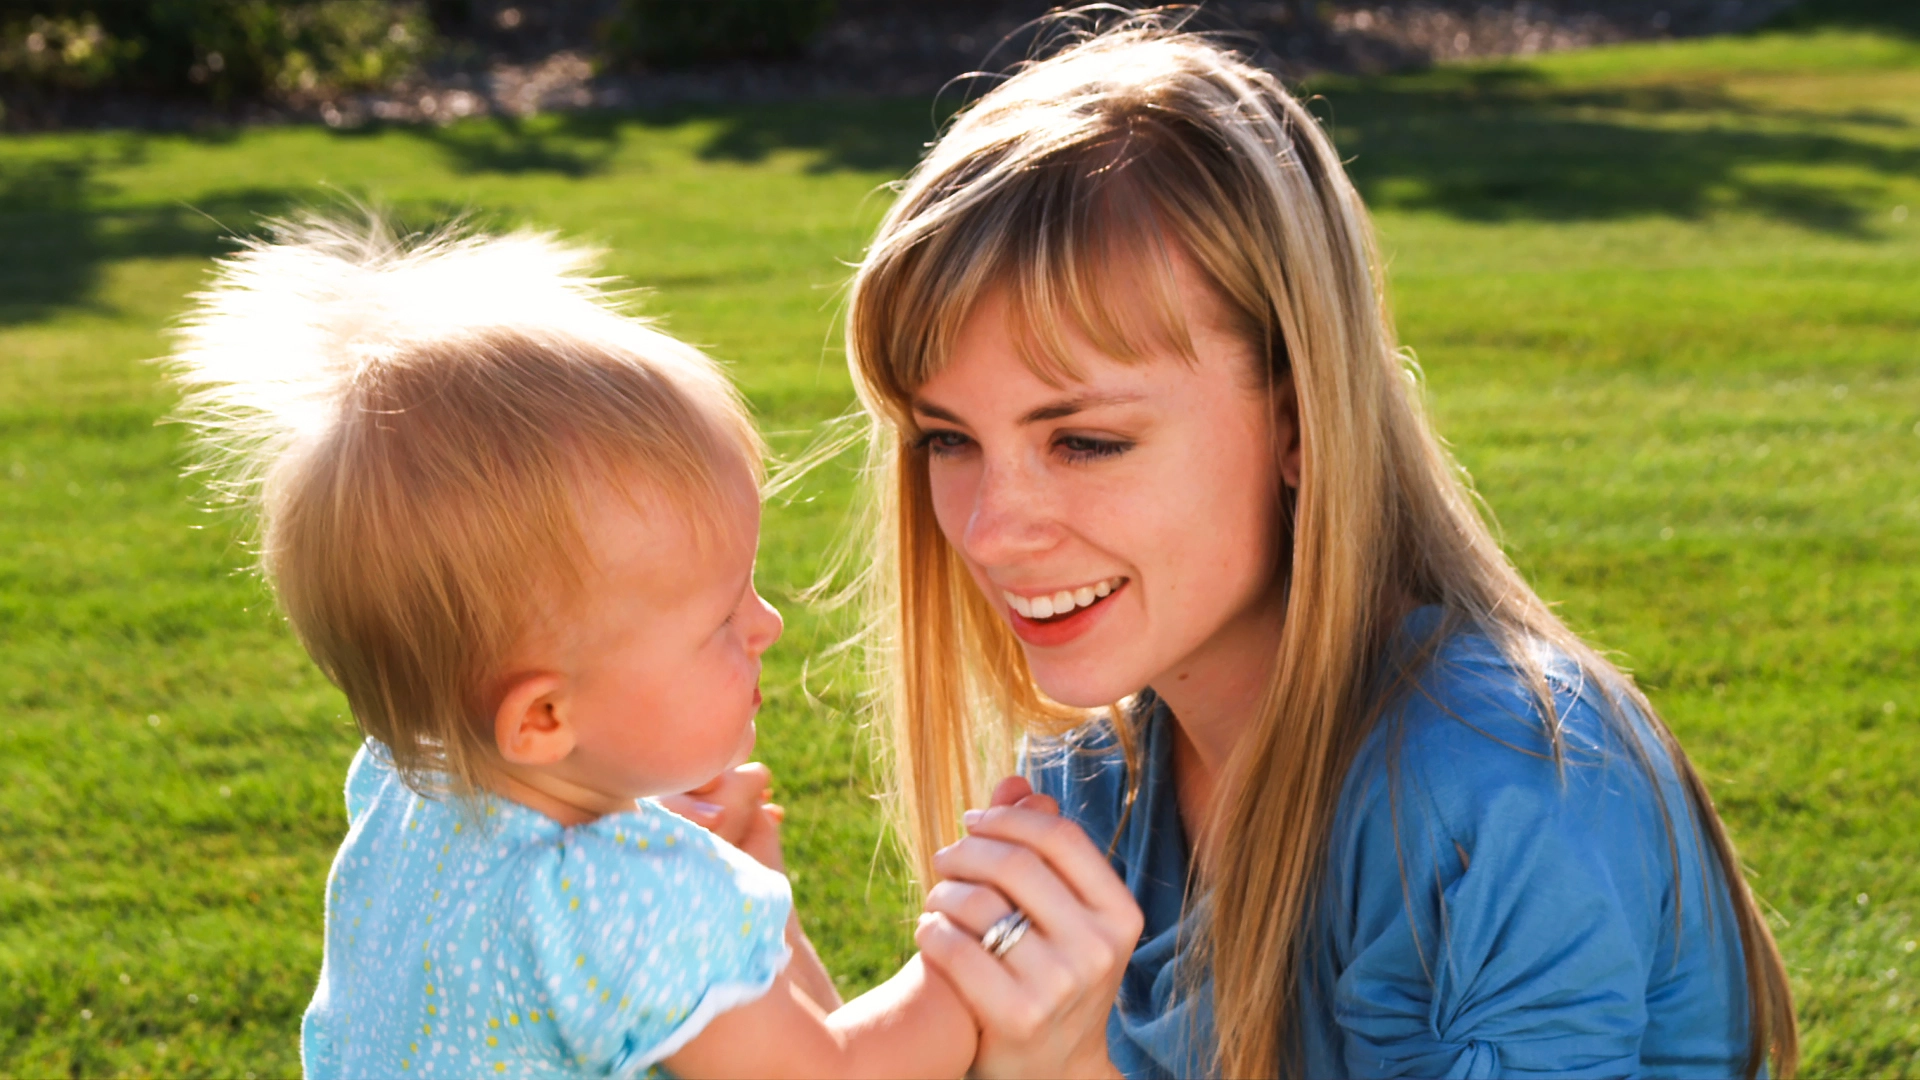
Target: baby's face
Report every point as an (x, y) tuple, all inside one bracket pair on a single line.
[(663, 660)]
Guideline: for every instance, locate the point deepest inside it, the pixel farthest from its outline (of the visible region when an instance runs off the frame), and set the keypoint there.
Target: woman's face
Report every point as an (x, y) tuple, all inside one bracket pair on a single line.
[(1125, 526)]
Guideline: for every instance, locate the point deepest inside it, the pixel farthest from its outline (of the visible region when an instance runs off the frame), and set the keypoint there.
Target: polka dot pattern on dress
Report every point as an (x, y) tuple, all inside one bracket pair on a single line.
[(539, 950)]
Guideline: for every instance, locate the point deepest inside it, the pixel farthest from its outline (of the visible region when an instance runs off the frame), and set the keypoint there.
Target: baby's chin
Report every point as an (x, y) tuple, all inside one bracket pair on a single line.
[(744, 753)]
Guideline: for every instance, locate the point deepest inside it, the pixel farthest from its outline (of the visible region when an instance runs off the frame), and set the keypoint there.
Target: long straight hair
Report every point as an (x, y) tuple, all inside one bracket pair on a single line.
[(1085, 168)]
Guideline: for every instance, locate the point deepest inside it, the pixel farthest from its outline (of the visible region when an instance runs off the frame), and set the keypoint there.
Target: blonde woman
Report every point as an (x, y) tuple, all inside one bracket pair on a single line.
[(1340, 796)]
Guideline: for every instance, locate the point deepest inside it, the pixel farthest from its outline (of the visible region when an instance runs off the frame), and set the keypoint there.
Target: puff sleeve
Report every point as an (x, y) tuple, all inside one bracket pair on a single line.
[(645, 928)]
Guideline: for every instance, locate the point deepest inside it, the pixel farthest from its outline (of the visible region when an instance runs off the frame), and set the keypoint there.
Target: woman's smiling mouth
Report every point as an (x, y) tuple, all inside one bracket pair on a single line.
[(1064, 602), (1058, 617)]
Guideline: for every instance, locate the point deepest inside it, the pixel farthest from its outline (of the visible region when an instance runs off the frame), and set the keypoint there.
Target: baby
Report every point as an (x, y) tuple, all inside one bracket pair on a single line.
[(517, 529)]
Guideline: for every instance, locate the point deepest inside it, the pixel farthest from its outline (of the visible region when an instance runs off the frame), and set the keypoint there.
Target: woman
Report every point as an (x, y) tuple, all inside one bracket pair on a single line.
[(1341, 795)]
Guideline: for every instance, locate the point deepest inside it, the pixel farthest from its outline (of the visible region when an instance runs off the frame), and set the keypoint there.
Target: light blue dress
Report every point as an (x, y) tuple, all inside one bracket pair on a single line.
[(502, 943), (1484, 914)]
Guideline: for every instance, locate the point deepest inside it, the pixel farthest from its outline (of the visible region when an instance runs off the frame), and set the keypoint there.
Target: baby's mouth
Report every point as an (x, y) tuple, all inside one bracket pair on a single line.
[(1053, 607)]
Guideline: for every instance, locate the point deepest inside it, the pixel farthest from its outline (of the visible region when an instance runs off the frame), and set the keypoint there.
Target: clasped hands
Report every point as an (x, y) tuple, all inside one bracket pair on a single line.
[(1042, 1007)]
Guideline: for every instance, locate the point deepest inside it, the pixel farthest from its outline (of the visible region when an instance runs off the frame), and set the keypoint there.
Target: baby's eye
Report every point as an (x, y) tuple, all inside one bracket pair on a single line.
[(942, 442), (1084, 448)]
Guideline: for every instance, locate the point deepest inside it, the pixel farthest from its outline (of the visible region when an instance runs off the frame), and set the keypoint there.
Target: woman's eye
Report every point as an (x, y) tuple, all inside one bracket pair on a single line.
[(1079, 448), (942, 443)]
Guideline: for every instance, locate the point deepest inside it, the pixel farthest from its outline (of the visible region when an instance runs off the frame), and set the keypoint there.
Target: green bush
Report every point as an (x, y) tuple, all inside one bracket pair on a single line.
[(221, 49), (680, 33)]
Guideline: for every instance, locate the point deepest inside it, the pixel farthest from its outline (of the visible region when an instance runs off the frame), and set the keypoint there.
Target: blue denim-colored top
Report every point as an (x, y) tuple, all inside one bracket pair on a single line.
[(1485, 913)]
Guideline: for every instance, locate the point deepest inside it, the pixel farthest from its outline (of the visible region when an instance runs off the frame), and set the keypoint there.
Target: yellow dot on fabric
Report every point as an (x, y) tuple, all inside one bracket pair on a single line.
[(426, 965), (429, 918), (436, 894), (747, 907), (625, 1001), (605, 994), (593, 984), (534, 1016), (493, 1022), (433, 1010), (438, 867), (426, 1029), (499, 1066), (492, 810), (456, 826), (643, 843), (565, 884), (415, 1047), (404, 1064), (619, 837), (579, 960), (513, 1019), (670, 841), (369, 901), (493, 1040), (746, 928), (429, 989), (573, 904)]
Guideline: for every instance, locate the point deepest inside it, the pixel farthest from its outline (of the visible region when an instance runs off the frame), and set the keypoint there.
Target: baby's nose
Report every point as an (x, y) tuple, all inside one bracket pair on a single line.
[(766, 625)]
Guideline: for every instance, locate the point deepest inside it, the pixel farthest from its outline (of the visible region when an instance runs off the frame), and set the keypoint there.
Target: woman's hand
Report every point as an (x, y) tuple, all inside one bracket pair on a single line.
[(1043, 1007), (734, 806)]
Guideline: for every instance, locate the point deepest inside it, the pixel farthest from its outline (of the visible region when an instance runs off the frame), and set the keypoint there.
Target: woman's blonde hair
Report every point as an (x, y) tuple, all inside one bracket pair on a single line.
[(1066, 186), (414, 421)]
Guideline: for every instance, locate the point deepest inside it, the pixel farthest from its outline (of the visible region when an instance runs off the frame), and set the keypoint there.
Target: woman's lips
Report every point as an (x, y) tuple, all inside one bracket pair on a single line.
[(1055, 630)]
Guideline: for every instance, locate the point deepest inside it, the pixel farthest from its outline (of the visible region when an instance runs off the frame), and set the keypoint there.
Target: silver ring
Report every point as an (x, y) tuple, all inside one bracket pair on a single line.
[(1003, 935)]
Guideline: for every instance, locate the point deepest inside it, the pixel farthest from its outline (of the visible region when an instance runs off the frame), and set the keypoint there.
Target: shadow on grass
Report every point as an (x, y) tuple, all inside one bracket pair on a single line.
[(61, 224), (1887, 16), (1483, 144), (1505, 144), (55, 236)]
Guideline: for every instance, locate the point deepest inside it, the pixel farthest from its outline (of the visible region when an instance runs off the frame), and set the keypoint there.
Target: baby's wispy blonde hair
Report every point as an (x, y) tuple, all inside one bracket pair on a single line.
[(414, 420)]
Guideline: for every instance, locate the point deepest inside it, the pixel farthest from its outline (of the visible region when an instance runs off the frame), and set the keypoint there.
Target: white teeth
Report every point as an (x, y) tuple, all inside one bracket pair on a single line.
[(1046, 607)]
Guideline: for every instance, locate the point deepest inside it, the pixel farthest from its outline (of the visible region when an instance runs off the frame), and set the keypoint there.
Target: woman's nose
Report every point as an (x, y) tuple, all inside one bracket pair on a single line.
[(1010, 517)]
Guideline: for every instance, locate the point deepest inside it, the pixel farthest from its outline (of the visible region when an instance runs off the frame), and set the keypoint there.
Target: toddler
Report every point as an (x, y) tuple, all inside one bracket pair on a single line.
[(517, 528)]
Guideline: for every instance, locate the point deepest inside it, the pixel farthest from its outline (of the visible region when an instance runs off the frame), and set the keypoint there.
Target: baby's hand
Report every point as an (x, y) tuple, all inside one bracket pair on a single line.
[(734, 806)]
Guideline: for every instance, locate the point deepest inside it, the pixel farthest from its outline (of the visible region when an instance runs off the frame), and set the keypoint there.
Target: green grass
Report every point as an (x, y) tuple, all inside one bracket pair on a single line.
[(1669, 316)]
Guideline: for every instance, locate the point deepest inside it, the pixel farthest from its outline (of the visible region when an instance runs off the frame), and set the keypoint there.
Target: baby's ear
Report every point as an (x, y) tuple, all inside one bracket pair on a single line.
[(530, 725)]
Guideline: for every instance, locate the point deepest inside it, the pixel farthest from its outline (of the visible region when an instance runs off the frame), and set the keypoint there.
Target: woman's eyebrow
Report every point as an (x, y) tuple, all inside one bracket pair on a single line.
[(928, 408), (1054, 410), (1069, 406)]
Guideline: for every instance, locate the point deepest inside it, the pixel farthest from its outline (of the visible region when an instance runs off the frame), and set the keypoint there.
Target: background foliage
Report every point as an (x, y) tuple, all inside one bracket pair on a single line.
[(221, 49), (1664, 297)]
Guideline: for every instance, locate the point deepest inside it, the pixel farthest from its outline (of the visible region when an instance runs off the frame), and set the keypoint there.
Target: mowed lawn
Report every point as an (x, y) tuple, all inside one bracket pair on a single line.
[(1667, 300)]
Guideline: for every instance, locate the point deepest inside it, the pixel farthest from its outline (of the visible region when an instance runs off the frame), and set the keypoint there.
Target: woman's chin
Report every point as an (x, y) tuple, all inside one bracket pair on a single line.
[(1079, 688)]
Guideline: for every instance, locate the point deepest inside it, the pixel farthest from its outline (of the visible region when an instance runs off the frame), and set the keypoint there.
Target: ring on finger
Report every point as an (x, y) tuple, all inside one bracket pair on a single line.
[(1003, 935)]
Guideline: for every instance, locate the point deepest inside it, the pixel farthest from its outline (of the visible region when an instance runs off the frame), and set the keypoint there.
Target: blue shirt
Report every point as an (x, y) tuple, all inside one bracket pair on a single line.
[(1485, 912), (502, 943)]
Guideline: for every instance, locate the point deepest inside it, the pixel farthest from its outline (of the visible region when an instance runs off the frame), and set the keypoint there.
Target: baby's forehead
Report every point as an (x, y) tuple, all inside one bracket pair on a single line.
[(667, 537)]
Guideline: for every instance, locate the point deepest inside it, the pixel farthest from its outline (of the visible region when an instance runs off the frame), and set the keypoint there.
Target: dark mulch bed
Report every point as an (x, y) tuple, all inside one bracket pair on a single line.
[(521, 57)]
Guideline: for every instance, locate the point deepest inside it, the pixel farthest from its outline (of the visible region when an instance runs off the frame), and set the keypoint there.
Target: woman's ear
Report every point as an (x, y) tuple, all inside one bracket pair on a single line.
[(1286, 430), (530, 725)]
